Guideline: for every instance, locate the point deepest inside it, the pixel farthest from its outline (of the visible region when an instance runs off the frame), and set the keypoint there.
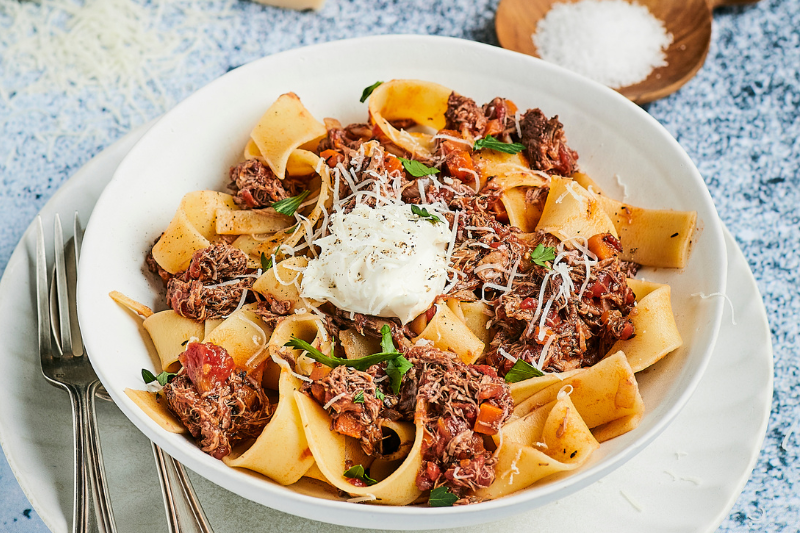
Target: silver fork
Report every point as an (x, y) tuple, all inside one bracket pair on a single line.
[(70, 370), (183, 509)]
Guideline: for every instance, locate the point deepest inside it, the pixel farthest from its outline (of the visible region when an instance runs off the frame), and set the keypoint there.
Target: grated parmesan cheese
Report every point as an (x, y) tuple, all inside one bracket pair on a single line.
[(612, 42)]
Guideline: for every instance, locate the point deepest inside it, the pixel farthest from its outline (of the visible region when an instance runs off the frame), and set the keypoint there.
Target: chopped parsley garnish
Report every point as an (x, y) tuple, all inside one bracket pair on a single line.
[(184, 343), (498, 146), (423, 213), (442, 497), (357, 472), (379, 394), (288, 206), (292, 229), (417, 169), (359, 364), (521, 371), (163, 378), (387, 343), (359, 397), (396, 368), (541, 254), (368, 91), (266, 262)]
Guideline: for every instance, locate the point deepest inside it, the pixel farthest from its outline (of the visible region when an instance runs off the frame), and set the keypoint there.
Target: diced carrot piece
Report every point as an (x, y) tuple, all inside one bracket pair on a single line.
[(332, 157), (393, 164), (319, 371), (346, 424), (604, 245), (495, 127), (489, 419), (459, 164), (511, 108)]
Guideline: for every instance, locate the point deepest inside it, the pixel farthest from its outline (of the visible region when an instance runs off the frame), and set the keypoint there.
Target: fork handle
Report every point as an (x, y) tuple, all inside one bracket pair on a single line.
[(81, 495), (184, 513), (94, 461)]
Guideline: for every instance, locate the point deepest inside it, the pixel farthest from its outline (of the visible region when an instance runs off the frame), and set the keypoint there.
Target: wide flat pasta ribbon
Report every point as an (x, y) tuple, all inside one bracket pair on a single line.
[(155, 406), (329, 450), (572, 211), (551, 439), (423, 102), (283, 128), (281, 452), (656, 331), (169, 332), (652, 237), (602, 394), (191, 229)]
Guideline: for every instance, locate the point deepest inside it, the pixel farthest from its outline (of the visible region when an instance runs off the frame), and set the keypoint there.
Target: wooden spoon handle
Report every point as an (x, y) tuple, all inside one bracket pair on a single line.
[(713, 4)]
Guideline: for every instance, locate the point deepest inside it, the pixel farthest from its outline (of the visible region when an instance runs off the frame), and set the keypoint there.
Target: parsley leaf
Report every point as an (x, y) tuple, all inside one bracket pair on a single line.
[(379, 394), (357, 472), (541, 254), (396, 368), (368, 91), (266, 263), (442, 497), (521, 371), (163, 378), (498, 146), (423, 212), (387, 344), (359, 397), (359, 364), (288, 206), (417, 169)]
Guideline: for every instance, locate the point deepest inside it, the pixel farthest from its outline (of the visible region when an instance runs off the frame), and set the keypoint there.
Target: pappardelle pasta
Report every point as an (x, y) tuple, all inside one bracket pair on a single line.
[(434, 307)]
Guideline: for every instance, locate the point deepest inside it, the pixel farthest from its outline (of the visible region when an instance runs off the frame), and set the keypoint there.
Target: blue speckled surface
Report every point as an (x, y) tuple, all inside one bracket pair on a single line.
[(739, 120)]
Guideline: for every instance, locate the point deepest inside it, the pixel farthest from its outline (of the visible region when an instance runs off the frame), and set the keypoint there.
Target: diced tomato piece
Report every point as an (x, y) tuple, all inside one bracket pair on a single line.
[(357, 482), (627, 331), (430, 313), (486, 370), (496, 245), (207, 365), (248, 198), (494, 390), (432, 471), (528, 303)]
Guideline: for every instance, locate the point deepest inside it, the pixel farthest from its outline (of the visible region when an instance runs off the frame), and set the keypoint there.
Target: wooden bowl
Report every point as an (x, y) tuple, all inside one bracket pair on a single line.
[(689, 22)]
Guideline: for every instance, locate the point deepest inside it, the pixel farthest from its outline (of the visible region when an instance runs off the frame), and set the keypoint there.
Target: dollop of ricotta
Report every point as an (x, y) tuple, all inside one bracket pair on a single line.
[(382, 261)]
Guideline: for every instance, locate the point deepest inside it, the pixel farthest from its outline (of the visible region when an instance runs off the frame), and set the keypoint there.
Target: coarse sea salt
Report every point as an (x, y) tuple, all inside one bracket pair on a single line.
[(613, 42)]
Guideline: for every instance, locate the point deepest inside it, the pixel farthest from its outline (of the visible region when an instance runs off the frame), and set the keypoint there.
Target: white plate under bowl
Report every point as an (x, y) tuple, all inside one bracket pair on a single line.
[(193, 146)]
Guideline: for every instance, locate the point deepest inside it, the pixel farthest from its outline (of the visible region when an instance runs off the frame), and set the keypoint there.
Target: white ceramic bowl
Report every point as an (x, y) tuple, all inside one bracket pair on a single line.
[(193, 146)]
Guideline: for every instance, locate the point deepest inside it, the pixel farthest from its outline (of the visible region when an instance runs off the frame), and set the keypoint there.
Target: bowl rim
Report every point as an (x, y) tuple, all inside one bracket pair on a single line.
[(340, 512)]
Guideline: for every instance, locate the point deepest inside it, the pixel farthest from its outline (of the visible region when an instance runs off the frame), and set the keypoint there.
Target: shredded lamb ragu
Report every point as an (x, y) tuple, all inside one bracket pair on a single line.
[(557, 315)]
